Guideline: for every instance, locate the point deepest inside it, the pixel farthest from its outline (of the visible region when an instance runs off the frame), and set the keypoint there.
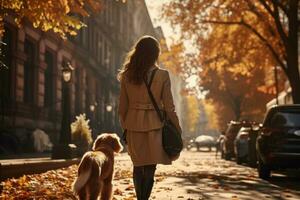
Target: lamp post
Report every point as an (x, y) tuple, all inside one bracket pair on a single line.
[(64, 149), (109, 108), (276, 84), (92, 119)]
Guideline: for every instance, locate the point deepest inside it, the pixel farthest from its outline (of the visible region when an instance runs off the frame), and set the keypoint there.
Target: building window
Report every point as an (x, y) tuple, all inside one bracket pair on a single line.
[(90, 37), (29, 71), (106, 55), (103, 50), (95, 43), (85, 34), (111, 14), (78, 92), (106, 11), (99, 108), (49, 79), (6, 71), (87, 96), (99, 48)]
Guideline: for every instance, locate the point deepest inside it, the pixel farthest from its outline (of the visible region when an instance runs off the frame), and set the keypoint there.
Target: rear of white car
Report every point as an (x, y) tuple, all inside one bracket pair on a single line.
[(241, 145)]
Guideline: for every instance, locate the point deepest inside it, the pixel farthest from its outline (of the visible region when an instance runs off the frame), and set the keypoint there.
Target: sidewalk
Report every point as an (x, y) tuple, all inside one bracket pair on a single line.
[(199, 175), (17, 167), (194, 176)]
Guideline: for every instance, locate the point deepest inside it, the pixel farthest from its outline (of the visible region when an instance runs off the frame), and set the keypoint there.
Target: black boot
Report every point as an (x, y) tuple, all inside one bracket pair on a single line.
[(147, 188), (138, 185), (148, 181), (138, 181)]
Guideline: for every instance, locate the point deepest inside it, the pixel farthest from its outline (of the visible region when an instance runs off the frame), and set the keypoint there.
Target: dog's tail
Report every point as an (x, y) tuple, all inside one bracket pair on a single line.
[(84, 173)]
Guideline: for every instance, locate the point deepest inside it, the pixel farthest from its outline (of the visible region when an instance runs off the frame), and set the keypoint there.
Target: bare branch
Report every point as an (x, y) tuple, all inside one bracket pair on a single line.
[(253, 9), (281, 6), (266, 6), (255, 32), (275, 14), (279, 26)]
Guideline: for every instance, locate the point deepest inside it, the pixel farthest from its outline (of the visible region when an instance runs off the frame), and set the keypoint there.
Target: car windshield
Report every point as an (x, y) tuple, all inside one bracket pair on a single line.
[(286, 119)]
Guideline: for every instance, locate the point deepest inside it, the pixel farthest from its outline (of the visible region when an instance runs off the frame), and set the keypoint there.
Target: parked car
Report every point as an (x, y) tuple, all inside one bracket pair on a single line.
[(241, 145), (190, 144), (230, 134), (205, 141), (252, 156), (244, 145), (220, 144), (278, 142)]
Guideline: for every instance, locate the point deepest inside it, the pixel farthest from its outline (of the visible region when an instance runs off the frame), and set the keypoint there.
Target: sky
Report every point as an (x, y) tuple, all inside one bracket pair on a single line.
[(154, 8)]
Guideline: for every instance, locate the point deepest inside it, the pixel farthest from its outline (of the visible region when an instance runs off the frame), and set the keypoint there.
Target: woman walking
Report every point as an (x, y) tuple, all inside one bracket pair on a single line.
[(138, 116)]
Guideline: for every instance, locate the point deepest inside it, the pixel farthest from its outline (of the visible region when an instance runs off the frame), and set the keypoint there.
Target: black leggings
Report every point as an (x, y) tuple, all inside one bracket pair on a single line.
[(143, 179), (146, 171)]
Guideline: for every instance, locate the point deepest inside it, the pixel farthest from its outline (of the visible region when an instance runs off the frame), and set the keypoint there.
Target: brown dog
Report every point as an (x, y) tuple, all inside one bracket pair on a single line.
[(96, 169)]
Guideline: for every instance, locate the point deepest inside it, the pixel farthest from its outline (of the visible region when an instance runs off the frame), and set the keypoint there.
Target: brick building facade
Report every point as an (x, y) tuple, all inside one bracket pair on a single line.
[(31, 88)]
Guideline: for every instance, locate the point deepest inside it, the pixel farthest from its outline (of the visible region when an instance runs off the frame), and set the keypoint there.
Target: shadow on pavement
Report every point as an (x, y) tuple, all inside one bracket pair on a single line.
[(239, 186)]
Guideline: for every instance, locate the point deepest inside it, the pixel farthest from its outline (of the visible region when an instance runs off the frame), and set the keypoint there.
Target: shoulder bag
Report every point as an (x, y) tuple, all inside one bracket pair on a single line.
[(171, 137)]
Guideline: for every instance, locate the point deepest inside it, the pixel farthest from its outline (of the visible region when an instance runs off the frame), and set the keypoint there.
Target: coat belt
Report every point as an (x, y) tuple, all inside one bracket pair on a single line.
[(141, 106)]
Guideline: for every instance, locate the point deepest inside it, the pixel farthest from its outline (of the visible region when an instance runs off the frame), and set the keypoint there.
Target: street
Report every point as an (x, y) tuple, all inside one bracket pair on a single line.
[(196, 175), (199, 175)]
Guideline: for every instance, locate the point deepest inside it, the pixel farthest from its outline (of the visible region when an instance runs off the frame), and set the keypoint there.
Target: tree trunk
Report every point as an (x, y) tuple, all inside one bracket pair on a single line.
[(237, 108), (295, 85), (292, 51)]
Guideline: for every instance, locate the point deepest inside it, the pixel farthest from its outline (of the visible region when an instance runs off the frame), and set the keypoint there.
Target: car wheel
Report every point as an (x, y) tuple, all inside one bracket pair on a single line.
[(252, 162), (227, 156), (264, 170), (238, 160)]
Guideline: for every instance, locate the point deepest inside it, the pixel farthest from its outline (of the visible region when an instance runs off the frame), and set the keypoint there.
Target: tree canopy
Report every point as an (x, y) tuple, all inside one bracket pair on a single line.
[(60, 16), (239, 43)]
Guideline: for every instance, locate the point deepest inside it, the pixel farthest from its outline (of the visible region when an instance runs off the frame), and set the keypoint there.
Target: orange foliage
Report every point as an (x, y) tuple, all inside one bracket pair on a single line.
[(60, 16), (212, 114), (238, 42), (193, 112), (274, 24), (172, 58)]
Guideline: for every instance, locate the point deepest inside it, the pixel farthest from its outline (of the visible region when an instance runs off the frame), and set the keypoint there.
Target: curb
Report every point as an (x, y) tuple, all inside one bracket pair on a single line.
[(15, 170)]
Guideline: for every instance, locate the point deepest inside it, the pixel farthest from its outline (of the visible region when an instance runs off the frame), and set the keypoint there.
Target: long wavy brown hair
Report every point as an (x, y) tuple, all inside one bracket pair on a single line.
[(140, 59)]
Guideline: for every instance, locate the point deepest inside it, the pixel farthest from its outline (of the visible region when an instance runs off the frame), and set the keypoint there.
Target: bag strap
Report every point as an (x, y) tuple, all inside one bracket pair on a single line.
[(148, 85)]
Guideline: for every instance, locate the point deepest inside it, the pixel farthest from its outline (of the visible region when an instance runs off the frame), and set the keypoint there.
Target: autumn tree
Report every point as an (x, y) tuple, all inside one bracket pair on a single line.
[(212, 115), (233, 78), (60, 16), (233, 72), (191, 116), (271, 24), (172, 57)]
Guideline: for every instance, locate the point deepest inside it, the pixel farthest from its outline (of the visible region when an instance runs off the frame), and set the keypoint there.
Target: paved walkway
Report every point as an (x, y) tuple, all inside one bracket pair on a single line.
[(199, 175), (195, 176)]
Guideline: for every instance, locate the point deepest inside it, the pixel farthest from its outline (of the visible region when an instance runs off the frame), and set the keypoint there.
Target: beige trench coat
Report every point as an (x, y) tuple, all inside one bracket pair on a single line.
[(139, 117), (136, 111)]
